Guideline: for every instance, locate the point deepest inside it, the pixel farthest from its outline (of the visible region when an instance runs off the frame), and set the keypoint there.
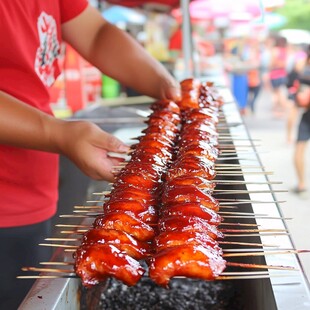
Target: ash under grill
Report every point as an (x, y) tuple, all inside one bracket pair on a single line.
[(275, 293)]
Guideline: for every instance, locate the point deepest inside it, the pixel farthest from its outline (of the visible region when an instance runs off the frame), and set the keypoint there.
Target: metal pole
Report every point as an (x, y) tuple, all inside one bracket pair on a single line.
[(187, 40)]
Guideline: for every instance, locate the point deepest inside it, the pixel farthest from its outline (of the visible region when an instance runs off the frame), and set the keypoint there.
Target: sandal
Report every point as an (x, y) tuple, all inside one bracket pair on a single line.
[(298, 191)]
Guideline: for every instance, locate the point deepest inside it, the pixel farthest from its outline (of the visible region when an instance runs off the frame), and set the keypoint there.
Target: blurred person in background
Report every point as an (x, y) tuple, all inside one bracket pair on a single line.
[(303, 136), (266, 48), (254, 74), (237, 67), (30, 137), (278, 76), (296, 62)]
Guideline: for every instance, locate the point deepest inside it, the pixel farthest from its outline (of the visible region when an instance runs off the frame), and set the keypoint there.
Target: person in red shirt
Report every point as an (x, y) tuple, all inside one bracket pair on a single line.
[(31, 138)]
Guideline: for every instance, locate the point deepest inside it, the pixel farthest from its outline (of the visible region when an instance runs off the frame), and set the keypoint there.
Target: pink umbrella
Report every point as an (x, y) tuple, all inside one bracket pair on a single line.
[(231, 9)]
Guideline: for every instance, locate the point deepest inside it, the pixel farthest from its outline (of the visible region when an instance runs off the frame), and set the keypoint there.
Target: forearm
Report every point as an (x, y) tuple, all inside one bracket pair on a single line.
[(82, 142), (118, 55), (24, 126)]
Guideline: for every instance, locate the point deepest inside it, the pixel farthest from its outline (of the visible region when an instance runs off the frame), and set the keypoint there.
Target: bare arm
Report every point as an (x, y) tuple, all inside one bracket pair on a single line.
[(118, 55), (84, 143)]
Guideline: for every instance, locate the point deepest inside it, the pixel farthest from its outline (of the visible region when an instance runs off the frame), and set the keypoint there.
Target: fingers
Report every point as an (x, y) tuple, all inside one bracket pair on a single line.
[(106, 169), (112, 144)]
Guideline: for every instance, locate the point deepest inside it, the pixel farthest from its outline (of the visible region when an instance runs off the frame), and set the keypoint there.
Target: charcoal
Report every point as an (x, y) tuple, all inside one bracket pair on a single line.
[(183, 294)]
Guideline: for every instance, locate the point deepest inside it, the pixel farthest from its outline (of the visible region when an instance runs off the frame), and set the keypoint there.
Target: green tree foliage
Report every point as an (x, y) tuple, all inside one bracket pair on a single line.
[(297, 13)]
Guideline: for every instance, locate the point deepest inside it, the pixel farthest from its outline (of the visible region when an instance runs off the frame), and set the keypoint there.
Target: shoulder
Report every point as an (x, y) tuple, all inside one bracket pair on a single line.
[(69, 11)]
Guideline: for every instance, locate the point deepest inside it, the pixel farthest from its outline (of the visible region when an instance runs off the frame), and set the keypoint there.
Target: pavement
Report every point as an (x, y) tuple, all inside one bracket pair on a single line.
[(277, 156)]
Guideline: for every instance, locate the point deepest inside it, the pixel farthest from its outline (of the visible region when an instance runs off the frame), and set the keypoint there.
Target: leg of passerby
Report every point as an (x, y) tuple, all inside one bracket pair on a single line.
[(278, 96), (279, 102), (291, 120), (300, 150), (299, 160), (252, 96), (240, 91), (256, 90), (250, 99)]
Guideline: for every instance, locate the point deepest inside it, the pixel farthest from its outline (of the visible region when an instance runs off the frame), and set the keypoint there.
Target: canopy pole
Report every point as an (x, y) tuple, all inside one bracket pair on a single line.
[(187, 40)]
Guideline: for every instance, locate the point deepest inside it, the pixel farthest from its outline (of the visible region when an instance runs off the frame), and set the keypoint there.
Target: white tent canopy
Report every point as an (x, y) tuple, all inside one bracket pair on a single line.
[(296, 36)]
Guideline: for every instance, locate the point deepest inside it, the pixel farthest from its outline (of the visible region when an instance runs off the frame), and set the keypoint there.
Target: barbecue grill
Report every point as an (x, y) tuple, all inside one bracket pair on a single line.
[(252, 194)]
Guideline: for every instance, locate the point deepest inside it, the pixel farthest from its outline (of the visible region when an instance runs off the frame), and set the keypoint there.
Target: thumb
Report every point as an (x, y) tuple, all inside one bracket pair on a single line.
[(174, 93), (173, 90)]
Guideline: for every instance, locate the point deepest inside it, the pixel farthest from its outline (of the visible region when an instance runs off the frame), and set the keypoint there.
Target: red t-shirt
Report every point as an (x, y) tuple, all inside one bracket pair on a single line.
[(30, 37)]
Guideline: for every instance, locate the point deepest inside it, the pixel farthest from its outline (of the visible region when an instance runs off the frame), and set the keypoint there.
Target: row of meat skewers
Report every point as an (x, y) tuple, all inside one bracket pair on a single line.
[(186, 242), (161, 204), (161, 208)]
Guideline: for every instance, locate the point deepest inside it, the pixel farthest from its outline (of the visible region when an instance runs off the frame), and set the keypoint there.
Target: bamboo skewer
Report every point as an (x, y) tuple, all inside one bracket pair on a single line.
[(259, 266), (265, 253), (265, 231), (252, 230), (89, 214), (72, 226), (62, 239), (220, 242), (96, 213), (221, 138), (221, 199), (71, 272), (222, 223), (245, 201), (220, 127), (235, 158), (225, 182), (46, 277), (257, 250), (233, 146), (221, 191), (244, 172), (221, 147), (240, 168), (220, 278), (237, 182), (74, 247), (248, 244), (238, 224), (67, 246), (227, 215), (225, 204), (230, 136), (82, 231), (234, 182), (262, 276), (48, 270), (231, 191), (256, 235), (57, 263), (259, 217), (231, 139), (123, 164)]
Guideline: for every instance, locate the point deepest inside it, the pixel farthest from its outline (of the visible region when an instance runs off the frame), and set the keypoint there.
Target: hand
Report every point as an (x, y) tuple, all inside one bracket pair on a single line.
[(88, 147)]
